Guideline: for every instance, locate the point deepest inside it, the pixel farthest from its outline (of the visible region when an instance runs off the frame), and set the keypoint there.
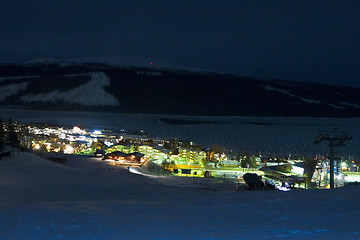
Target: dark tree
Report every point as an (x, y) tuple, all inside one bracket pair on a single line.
[(43, 149), (309, 169), (13, 137), (97, 146), (2, 134)]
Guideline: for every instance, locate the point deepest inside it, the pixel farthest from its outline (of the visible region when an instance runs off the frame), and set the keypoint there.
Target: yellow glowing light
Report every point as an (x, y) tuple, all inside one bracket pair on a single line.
[(69, 149)]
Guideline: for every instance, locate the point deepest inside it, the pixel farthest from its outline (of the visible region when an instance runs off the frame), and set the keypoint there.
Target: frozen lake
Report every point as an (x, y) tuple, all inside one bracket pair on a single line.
[(246, 134)]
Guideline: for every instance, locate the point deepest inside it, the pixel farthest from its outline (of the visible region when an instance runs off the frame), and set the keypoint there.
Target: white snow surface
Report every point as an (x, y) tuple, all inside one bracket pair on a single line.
[(29, 160), (350, 104), (310, 100), (17, 77), (90, 93), (307, 100), (89, 199), (335, 106), (11, 89), (278, 90)]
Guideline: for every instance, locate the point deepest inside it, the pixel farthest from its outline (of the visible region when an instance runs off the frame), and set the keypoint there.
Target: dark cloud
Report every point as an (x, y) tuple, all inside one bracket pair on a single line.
[(296, 40)]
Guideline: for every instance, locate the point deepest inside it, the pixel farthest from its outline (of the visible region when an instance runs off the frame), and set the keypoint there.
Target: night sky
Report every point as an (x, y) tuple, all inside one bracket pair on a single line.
[(317, 41)]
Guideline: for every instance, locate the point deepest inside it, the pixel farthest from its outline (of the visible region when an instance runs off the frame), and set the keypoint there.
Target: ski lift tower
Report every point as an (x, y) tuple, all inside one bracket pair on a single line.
[(335, 139)]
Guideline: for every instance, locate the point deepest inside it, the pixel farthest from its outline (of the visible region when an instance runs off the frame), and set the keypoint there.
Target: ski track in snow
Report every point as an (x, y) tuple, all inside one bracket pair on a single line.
[(89, 94), (18, 77)]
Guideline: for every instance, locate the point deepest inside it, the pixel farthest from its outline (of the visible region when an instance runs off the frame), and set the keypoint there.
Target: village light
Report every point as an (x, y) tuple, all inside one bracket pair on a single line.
[(297, 170), (96, 132), (68, 149)]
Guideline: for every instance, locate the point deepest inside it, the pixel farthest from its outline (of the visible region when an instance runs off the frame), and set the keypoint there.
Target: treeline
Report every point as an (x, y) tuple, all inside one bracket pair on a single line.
[(12, 134)]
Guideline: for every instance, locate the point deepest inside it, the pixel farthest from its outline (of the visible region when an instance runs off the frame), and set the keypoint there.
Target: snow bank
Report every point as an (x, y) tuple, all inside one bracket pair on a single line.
[(28, 160)]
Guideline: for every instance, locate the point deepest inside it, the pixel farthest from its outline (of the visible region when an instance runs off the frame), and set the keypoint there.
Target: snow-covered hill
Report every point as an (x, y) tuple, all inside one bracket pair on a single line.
[(141, 85), (119, 61)]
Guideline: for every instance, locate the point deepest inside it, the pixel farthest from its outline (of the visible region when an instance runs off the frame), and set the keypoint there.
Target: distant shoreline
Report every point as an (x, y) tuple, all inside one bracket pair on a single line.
[(174, 121)]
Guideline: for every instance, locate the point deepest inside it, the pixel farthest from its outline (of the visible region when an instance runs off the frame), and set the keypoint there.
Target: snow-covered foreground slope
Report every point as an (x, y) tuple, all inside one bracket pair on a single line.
[(88, 199)]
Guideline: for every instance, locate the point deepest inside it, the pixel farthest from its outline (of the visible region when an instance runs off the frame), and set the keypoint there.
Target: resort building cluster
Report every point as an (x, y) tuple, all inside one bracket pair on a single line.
[(177, 157)]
